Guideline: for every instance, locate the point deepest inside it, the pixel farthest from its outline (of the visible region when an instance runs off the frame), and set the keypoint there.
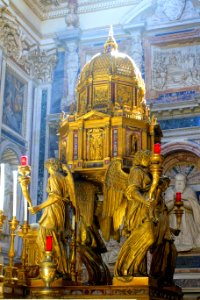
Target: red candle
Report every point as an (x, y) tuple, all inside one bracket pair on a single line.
[(49, 240), (178, 197), (24, 160), (157, 148)]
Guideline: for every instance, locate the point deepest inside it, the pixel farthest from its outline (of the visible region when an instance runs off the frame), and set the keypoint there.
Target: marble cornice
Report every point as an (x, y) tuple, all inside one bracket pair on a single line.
[(183, 133), (45, 12), (185, 108)]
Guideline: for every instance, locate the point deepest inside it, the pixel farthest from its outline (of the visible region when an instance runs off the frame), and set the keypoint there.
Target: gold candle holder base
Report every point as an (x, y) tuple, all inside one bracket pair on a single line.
[(11, 271), (11, 274), (48, 269), (22, 278)]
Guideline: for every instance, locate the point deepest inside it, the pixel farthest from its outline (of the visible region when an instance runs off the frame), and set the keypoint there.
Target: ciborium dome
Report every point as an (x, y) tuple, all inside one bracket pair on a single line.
[(110, 82), (111, 120)]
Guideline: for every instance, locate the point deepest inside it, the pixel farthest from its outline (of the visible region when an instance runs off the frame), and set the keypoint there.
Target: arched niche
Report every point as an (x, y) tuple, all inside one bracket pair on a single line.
[(183, 158)]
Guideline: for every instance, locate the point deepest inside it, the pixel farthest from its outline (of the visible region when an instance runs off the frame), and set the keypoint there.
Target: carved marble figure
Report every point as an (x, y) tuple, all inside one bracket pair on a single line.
[(189, 237)]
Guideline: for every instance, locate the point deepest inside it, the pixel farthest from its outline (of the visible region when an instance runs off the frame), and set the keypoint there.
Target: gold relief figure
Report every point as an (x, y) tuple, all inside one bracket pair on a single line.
[(100, 95), (55, 217), (133, 144), (124, 95), (95, 144)]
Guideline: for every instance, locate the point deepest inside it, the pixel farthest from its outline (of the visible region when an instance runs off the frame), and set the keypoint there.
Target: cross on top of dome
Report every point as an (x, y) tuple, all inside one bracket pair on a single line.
[(111, 43)]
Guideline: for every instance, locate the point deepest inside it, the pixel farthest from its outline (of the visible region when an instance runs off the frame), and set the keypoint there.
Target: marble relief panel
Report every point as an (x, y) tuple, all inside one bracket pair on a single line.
[(175, 67), (14, 101), (172, 63)]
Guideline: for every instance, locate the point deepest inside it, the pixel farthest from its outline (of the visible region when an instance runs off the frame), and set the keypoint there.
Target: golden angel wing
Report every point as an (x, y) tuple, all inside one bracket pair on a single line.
[(114, 205), (71, 188)]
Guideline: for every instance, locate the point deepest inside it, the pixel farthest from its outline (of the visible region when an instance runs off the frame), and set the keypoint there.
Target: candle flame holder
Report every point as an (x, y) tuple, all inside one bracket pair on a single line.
[(24, 181), (10, 270), (178, 212), (156, 171)]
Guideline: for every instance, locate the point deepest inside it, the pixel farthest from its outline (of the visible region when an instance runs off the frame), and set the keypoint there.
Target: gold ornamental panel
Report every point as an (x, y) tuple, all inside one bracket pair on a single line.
[(100, 95), (95, 144), (83, 101), (124, 95)]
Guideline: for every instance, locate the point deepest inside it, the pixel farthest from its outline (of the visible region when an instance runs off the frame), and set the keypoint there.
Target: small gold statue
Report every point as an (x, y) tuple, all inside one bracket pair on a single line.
[(54, 218)]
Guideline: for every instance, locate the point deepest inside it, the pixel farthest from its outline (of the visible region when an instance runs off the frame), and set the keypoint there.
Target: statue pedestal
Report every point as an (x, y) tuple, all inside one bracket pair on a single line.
[(130, 281), (187, 273), (7, 291), (138, 288)]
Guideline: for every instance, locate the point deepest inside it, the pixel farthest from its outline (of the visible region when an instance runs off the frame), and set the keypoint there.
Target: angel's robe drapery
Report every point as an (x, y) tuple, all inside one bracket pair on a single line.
[(53, 220), (138, 223)]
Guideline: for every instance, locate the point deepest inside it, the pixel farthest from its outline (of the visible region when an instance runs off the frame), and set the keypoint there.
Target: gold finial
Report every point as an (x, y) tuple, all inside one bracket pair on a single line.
[(111, 43)]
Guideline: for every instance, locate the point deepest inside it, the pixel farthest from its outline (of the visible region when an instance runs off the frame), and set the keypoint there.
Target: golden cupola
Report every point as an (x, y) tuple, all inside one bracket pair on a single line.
[(109, 82), (112, 119)]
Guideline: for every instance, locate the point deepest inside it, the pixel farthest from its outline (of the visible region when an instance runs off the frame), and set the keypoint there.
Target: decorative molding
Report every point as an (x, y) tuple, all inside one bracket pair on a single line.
[(50, 9), (186, 108), (4, 4), (16, 45), (72, 19), (42, 63), (13, 41)]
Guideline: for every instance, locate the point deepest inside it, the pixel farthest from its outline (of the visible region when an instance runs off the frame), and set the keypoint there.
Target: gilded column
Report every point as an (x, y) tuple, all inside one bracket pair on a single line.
[(80, 143), (90, 94), (70, 145), (151, 127), (107, 140), (120, 141), (123, 141), (84, 143), (144, 139)]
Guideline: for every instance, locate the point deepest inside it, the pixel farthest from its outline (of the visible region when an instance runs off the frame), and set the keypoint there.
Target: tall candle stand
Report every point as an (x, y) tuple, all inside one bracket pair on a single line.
[(22, 280), (2, 219), (10, 270)]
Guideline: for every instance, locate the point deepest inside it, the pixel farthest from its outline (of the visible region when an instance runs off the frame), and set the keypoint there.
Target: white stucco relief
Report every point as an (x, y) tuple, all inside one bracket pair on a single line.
[(176, 67)]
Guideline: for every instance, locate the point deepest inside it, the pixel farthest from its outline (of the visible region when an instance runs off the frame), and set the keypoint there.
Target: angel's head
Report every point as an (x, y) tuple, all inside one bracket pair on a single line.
[(142, 158), (52, 165)]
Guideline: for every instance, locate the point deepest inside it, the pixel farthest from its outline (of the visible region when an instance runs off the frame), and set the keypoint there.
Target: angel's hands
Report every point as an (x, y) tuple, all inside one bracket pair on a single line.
[(34, 209)]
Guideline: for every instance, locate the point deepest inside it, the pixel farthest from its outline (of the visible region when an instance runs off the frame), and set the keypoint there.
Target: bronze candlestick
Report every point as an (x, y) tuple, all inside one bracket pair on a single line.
[(22, 271), (10, 270)]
